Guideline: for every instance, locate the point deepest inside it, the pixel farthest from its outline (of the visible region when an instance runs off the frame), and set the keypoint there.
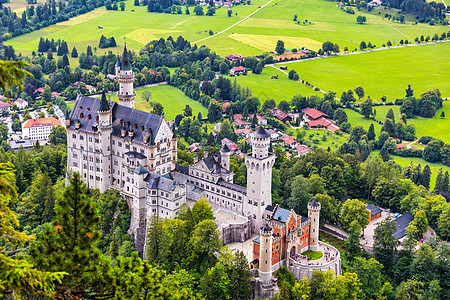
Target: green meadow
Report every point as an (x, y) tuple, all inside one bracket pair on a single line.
[(382, 73), (436, 127), (280, 89), (173, 100), (403, 161), (254, 35)]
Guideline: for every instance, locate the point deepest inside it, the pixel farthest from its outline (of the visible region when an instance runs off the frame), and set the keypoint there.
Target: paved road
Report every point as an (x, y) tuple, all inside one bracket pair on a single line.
[(238, 22)]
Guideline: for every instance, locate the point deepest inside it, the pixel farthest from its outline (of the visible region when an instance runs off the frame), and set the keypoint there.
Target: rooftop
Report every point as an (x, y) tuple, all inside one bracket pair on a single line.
[(41, 122)]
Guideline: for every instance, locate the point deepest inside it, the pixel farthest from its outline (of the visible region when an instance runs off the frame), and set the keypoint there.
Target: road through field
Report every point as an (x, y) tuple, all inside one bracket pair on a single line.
[(237, 23)]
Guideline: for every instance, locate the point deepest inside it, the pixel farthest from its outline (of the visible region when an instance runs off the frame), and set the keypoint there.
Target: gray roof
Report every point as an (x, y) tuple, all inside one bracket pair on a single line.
[(269, 208), (16, 144), (125, 64), (232, 186), (225, 148), (266, 227), (104, 104), (182, 169), (140, 170), (374, 210), (314, 203), (281, 214), (135, 154), (304, 219), (402, 222), (261, 133), (214, 166), (90, 106), (156, 181), (257, 240)]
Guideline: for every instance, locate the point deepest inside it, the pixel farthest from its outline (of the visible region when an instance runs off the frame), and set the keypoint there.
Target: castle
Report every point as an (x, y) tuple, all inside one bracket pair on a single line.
[(114, 146)]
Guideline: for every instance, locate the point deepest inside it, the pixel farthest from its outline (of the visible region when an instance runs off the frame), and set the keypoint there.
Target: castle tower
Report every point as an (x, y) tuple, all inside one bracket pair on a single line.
[(265, 253), (313, 215), (259, 177), (105, 131), (225, 154), (125, 76)]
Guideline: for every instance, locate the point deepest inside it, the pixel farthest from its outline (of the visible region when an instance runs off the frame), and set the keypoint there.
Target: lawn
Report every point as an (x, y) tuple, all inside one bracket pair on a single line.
[(313, 255), (436, 127), (386, 72), (252, 36), (320, 138), (170, 97), (280, 89), (403, 161)]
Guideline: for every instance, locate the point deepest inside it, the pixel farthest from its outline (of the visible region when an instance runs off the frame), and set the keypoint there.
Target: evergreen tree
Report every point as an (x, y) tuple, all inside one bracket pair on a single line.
[(409, 91), (112, 42), (239, 274), (65, 61), (439, 186), (390, 115), (371, 132), (425, 177), (89, 51), (156, 250), (74, 52), (69, 245), (136, 2), (280, 47)]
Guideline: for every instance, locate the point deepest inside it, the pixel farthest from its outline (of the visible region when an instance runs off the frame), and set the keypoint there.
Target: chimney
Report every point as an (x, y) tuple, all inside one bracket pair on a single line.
[(205, 153), (123, 132), (195, 159), (130, 134), (77, 124)]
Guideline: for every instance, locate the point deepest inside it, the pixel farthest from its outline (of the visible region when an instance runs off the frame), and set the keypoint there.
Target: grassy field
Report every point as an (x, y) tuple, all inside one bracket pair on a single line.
[(170, 97), (403, 161), (320, 138), (381, 73), (436, 127), (254, 35), (280, 89), (313, 255)]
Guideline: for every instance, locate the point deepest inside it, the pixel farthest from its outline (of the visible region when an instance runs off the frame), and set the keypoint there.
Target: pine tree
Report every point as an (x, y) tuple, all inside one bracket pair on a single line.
[(74, 52), (112, 42), (371, 133), (155, 241), (69, 245), (65, 61), (239, 274), (425, 177), (438, 187), (89, 51), (136, 2), (390, 115)]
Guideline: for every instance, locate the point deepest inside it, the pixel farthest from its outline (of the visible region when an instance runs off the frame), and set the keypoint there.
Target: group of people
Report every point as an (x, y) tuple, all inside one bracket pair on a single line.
[(328, 255)]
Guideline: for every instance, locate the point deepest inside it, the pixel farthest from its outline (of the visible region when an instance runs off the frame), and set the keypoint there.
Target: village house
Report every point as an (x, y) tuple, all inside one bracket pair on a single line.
[(290, 142), (374, 211), (288, 155), (21, 104), (25, 144), (234, 57), (317, 119), (38, 92), (56, 94), (302, 149), (239, 121), (274, 134), (194, 147), (281, 115), (217, 126), (260, 120), (225, 105), (231, 145), (244, 132), (4, 105), (237, 70)]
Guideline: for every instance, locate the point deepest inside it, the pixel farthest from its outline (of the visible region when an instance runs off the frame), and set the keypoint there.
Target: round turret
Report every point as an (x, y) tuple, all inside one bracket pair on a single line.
[(265, 253), (225, 154), (313, 215), (260, 143)]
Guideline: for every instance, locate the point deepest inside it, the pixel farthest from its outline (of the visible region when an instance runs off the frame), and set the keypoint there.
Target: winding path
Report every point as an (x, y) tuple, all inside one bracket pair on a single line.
[(238, 22)]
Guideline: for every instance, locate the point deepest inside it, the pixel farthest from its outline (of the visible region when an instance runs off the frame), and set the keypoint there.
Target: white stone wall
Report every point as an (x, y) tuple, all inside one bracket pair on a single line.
[(37, 133)]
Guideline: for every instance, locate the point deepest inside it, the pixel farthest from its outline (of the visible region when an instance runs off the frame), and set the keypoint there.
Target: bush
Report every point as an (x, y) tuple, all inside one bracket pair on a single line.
[(425, 139)]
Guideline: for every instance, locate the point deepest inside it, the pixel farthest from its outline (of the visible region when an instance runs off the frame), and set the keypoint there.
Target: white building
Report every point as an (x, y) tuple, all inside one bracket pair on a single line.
[(38, 129), (21, 104)]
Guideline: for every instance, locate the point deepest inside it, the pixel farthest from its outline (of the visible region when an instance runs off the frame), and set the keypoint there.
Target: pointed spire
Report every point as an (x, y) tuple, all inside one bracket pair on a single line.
[(104, 104)]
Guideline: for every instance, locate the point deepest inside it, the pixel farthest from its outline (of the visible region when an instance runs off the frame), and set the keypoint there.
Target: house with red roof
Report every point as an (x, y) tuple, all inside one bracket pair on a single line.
[(244, 132), (290, 141), (4, 105), (21, 103), (310, 114), (237, 70), (302, 149), (225, 105), (260, 120), (39, 129), (194, 147), (234, 57), (281, 115)]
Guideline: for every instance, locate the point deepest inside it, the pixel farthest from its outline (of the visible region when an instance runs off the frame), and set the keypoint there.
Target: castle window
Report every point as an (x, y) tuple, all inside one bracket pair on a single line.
[(119, 144), (81, 138), (75, 164), (74, 136), (97, 141)]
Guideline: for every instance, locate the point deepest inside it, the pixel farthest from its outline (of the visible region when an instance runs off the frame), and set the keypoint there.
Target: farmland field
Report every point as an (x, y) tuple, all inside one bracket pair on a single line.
[(436, 127), (386, 72), (278, 89), (254, 35), (170, 97)]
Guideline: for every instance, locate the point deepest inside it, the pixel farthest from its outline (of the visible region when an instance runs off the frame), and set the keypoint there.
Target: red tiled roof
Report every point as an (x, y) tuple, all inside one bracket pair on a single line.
[(288, 140), (400, 146), (314, 113), (243, 131), (233, 147), (302, 149), (321, 121), (237, 117), (239, 69), (225, 105), (20, 100), (42, 122), (39, 90), (282, 116), (258, 117)]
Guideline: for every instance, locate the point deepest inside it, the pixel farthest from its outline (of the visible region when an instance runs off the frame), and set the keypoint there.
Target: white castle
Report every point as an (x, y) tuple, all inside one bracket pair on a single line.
[(114, 146)]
